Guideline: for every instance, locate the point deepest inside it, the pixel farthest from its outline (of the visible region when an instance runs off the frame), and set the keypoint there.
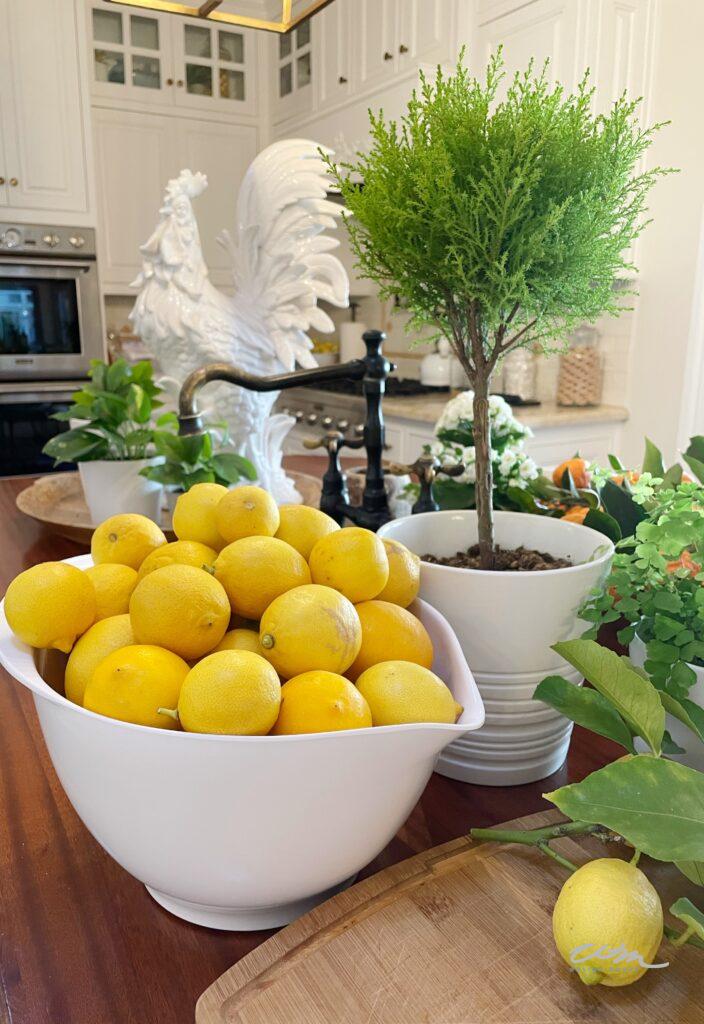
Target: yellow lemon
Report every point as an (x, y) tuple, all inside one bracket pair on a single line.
[(126, 539), (255, 570), (240, 639), (302, 527), (390, 633), (101, 639), (180, 608), (400, 692), (132, 683), (404, 574), (50, 605), (352, 561), (178, 552), (232, 692), (113, 584), (194, 514), (311, 627), (608, 922), (247, 512), (321, 702)]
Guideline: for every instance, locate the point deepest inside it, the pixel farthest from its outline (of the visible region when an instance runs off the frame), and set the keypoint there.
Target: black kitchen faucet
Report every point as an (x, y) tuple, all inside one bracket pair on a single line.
[(372, 370)]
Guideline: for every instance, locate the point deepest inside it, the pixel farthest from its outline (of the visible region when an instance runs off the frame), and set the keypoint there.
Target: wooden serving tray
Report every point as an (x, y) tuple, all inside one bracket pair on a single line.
[(460, 934), (57, 501)]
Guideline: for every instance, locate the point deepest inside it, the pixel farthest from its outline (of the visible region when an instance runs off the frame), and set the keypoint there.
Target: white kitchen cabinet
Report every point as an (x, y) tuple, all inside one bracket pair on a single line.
[(425, 31), (376, 29), (294, 66), (42, 140), (136, 154), (144, 60), (334, 58)]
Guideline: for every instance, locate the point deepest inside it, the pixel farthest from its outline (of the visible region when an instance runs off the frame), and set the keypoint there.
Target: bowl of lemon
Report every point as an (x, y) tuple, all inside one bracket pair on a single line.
[(244, 717)]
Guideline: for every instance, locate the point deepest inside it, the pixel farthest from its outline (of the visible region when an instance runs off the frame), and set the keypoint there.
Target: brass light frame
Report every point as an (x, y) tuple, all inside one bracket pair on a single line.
[(208, 11)]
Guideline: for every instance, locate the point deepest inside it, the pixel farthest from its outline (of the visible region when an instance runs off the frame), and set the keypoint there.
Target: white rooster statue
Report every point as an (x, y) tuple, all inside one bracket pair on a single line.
[(281, 266)]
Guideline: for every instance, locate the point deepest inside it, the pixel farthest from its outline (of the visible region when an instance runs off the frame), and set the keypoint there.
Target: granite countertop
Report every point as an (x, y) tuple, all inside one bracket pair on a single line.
[(427, 408)]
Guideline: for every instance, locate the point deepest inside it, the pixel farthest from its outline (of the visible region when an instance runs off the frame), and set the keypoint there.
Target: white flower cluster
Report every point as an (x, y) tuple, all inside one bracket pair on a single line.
[(511, 465)]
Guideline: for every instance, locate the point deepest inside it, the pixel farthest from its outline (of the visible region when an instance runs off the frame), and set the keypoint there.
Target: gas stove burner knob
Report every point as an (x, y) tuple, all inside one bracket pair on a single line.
[(11, 238), (77, 241), (312, 418), (299, 414), (286, 411), (51, 240), (327, 422), (343, 425), (359, 429)]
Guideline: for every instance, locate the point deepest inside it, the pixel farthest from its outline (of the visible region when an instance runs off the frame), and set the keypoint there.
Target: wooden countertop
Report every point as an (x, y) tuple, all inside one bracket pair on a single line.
[(81, 941)]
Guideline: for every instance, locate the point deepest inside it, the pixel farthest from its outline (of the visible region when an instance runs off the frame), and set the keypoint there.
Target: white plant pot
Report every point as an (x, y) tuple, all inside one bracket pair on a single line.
[(684, 737), (506, 623), (242, 832), (114, 485)]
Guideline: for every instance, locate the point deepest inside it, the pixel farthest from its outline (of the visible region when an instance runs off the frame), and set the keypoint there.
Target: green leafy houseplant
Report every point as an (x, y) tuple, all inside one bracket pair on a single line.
[(656, 584), (655, 805), (193, 460), (116, 404), (500, 223)]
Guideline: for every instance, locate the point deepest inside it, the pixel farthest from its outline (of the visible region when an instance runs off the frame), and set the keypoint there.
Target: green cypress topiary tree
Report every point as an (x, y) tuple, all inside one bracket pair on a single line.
[(499, 223)]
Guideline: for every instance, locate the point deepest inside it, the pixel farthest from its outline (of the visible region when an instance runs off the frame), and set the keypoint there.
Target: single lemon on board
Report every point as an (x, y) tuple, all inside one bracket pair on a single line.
[(126, 539), (608, 922), (311, 627), (321, 702), (351, 560), (302, 527), (180, 608), (104, 637), (404, 574), (241, 639), (390, 633), (194, 514), (247, 511), (401, 692), (230, 692), (132, 683), (50, 605), (178, 552), (113, 584), (255, 570)]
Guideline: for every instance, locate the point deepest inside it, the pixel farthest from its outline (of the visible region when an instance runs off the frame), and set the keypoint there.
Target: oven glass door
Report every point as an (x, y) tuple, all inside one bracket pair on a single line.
[(39, 316)]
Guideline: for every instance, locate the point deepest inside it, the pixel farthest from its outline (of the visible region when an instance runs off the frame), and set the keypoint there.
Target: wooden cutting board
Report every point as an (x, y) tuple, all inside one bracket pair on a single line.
[(460, 934), (57, 501)]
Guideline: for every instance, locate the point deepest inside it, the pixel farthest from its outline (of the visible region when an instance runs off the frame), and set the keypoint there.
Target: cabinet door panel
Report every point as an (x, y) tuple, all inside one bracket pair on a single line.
[(377, 31), (130, 54), (331, 30), (41, 107), (134, 157), (215, 67), (425, 31), (223, 152)]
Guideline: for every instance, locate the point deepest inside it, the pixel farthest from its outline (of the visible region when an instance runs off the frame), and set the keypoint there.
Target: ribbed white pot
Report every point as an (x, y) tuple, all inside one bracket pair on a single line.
[(114, 485), (506, 623), (683, 737)]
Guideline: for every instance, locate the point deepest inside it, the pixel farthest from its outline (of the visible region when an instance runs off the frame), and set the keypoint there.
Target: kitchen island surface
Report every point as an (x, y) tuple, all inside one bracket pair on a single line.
[(82, 942)]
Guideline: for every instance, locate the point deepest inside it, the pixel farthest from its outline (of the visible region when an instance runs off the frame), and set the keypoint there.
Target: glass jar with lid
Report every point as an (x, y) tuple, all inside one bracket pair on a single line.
[(580, 378)]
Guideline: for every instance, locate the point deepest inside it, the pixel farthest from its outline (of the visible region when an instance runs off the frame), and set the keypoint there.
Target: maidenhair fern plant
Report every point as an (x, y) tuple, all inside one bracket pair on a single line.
[(498, 223)]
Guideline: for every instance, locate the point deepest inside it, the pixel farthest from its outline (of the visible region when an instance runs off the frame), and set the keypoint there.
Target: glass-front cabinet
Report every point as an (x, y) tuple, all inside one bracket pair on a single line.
[(294, 71), (166, 60)]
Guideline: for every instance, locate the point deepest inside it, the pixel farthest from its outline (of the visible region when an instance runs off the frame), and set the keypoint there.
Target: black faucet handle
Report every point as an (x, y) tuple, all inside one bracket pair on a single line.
[(332, 441), (426, 467)]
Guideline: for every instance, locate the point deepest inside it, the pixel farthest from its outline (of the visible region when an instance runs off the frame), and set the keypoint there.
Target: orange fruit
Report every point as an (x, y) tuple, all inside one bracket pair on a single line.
[(577, 467), (576, 514)]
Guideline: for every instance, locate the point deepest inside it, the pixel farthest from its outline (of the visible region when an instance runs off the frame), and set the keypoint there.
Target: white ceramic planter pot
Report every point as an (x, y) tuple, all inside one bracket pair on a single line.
[(113, 486), (506, 623), (694, 748), (242, 832)]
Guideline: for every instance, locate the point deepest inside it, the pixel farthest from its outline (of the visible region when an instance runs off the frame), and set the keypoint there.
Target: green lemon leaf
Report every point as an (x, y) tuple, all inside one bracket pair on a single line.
[(635, 698), (652, 460), (685, 711), (669, 746), (655, 804), (586, 707), (691, 915), (620, 505), (692, 870), (696, 465), (604, 523)]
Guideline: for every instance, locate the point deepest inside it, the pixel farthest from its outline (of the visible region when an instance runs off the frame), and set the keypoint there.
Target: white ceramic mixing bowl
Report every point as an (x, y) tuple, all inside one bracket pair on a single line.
[(242, 832)]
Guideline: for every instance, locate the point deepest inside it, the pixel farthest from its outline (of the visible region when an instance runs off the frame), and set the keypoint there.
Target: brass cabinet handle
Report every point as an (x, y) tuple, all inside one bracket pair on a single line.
[(179, 83), (342, 80), (14, 182), (2, 181), (403, 48), (169, 81), (388, 56)]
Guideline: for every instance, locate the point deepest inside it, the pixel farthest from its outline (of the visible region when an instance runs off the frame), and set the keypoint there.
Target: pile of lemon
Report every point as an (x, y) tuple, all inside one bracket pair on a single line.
[(258, 620)]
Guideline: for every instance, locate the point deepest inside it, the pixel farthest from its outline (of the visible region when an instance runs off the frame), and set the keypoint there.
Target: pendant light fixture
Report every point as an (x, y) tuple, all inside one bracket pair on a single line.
[(209, 10)]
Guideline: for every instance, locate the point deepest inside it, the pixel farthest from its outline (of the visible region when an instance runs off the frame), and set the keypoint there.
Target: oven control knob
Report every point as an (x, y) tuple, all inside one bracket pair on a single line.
[(299, 415), (326, 422), (51, 240), (359, 429), (11, 238), (312, 418), (343, 425), (77, 241)]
